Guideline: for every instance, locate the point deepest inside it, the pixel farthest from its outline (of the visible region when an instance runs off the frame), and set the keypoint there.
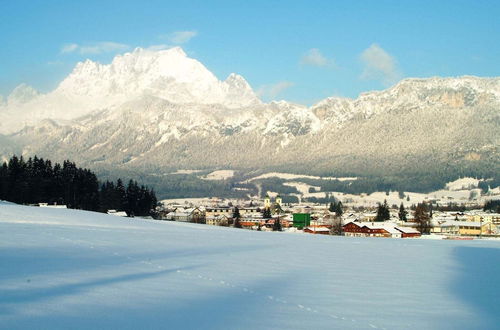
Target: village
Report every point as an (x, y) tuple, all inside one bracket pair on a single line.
[(333, 219)]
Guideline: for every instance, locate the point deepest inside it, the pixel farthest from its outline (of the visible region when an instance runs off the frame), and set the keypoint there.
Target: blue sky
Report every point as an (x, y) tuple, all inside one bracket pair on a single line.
[(301, 51)]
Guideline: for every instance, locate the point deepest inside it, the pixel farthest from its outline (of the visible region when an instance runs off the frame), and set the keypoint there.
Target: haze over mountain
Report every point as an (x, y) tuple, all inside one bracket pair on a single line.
[(154, 111)]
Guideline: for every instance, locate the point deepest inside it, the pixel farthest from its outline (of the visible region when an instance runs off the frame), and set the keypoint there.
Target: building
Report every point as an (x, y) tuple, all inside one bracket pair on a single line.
[(219, 220), (407, 232), (301, 220), (212, 212), (192, 214), (470, 228), (317, 230), (276, 207), (250, 212), (378, 229)]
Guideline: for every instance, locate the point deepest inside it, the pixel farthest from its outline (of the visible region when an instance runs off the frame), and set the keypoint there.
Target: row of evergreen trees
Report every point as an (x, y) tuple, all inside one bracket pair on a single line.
[(38, 181)]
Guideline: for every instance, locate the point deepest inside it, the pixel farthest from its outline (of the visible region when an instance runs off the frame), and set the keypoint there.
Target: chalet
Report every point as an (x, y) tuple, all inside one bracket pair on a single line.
[(378, 229), (407, 232), (317, 230)]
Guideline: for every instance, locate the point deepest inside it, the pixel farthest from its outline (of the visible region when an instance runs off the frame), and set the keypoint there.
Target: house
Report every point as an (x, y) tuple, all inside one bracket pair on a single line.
[(283, 221), (219, 220), (470, 228), (407, 232), (250, 212), (220, 210), (192, 214), (485, 217), (378, 229), (446, 227), (317, 230)]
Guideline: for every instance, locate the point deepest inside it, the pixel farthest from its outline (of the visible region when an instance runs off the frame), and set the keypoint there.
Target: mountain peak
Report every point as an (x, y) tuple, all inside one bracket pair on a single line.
[(168, 74)]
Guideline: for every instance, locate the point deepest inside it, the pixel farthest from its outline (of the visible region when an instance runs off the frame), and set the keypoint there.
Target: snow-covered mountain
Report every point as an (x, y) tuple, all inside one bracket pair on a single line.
[(155, 110), (167, 74)]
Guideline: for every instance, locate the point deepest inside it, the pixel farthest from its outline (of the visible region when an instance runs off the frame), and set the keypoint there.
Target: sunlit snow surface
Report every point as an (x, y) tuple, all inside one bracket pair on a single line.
[(66, 269)]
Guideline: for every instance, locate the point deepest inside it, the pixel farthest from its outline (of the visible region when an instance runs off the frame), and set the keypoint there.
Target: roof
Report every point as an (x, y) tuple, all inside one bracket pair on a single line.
[(468, 223), (323, 229), (388, 227), (408, 230)]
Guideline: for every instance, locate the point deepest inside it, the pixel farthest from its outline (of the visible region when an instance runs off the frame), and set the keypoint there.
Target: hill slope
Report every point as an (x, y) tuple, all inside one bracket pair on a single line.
[(73, 269)]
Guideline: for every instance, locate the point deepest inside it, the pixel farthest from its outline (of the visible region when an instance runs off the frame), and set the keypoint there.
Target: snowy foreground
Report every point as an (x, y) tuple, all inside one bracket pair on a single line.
[(66, 269)]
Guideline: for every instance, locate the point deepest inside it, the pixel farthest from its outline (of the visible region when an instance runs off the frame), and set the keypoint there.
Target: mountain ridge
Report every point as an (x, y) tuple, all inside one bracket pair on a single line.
[(418, 125)]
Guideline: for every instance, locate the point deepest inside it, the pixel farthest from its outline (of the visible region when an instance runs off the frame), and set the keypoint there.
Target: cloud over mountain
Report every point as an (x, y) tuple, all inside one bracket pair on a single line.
[(379, 65)]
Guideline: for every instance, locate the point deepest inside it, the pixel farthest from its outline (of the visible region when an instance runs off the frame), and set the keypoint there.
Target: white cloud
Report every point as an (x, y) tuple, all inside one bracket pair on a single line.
[(181, 37), (379, 65), (94, 48), (314, 57), (272, 91), (69, 48)]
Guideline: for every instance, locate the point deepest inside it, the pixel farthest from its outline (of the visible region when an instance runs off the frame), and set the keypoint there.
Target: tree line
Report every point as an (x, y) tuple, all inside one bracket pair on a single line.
[(36, 181)]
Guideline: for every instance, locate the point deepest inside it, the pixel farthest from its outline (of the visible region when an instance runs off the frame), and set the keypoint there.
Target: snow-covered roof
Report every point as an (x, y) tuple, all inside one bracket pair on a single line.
[(321, 229), (468, 223), (407, 230)]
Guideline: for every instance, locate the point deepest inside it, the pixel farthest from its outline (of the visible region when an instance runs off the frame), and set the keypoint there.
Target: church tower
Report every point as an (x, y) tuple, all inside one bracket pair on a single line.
[(278, 200), (267, 202)]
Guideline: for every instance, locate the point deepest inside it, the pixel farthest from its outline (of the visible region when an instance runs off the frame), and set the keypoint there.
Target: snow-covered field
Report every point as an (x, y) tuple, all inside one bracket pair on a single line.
[(67, 269), (289, 176), (219, 175)]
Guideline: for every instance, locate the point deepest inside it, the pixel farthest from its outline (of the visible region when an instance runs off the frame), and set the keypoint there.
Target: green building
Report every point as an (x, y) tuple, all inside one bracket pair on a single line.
[(301, 220)]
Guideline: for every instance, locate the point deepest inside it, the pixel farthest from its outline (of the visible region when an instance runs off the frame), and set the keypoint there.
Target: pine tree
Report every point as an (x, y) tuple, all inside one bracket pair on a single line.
[(36, 181), (277, 225), (402, 213), (332, 207), (383, 212), (266, 214), (338, 209), (236, 217), (422, 219)]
